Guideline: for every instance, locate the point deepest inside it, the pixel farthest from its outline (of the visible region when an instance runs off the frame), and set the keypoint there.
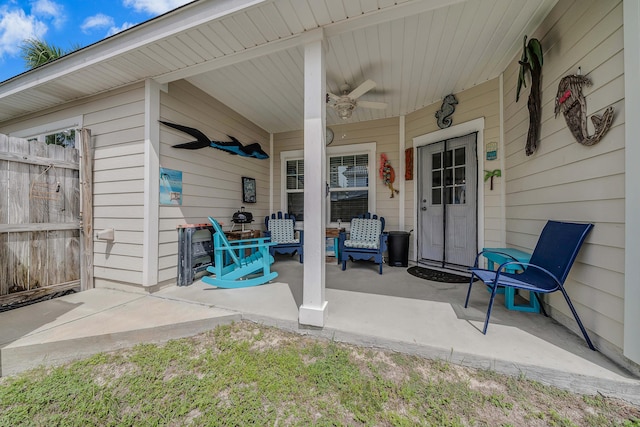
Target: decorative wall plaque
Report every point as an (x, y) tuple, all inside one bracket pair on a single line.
[(573, 105)]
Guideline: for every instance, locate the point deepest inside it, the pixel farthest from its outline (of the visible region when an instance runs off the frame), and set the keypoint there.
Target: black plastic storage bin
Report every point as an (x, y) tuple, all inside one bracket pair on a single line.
[(398, 247)]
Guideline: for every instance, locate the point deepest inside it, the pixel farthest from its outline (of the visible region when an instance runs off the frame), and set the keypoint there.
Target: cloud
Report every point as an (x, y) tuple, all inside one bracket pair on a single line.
[(97, 22), (15, 27), (154, 7), (49, 9), (114, 30)]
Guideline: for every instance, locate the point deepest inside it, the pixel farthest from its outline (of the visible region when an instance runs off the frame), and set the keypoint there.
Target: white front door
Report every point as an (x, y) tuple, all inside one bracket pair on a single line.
[(447, 208)]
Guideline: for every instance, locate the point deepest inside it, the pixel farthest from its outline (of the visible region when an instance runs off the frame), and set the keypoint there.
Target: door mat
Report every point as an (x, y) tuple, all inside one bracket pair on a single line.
[(437, 276)]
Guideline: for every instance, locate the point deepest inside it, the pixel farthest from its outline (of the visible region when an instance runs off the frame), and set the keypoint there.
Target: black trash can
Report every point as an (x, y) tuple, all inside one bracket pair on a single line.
[(398, 247)]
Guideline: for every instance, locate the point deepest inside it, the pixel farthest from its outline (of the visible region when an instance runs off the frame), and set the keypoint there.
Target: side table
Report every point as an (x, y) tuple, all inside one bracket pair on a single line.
[(493, 258), (335, 234)]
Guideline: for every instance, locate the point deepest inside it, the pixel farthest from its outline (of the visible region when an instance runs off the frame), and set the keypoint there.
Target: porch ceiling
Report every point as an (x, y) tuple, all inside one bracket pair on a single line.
[(249, 54)]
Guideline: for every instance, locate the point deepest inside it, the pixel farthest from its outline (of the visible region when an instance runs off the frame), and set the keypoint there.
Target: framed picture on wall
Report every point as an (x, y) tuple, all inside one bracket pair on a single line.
[(248, 190)]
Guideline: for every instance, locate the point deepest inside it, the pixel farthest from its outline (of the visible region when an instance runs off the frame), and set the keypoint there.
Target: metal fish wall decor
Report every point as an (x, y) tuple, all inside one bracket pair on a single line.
[(232, 147)]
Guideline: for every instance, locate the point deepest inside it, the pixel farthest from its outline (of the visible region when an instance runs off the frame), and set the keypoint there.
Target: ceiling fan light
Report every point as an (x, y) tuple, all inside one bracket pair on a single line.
[(344, 113)]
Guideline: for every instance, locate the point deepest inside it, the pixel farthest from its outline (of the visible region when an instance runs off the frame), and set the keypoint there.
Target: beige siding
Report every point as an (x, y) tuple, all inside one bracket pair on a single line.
[(211, 178), (476, 102), (384, 133), (116, 120), (564, 180)]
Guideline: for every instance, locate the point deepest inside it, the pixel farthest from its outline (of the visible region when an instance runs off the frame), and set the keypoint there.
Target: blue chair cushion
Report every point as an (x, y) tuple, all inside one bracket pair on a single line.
[(282, 231), (364, 233)]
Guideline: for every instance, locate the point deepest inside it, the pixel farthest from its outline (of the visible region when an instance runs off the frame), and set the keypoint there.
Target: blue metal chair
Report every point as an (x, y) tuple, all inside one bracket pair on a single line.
[(280, 228), (366, 241), (546, 271), (233, 268)]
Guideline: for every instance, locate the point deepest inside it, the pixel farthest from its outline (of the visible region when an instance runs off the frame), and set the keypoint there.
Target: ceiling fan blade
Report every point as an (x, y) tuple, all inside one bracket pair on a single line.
[(371, 104), (332, 96), (362, 89)]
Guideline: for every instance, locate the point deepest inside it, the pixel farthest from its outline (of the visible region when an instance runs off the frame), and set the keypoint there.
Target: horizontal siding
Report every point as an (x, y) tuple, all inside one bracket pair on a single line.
[(211, 179), (564, 180)]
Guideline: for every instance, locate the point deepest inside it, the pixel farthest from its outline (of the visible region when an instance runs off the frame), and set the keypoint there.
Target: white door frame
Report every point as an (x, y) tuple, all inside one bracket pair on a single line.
[(462, 129)]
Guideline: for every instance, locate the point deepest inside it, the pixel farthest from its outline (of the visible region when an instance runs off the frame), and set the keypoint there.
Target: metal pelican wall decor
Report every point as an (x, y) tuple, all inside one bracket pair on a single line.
[(232, 147), (573, 105)]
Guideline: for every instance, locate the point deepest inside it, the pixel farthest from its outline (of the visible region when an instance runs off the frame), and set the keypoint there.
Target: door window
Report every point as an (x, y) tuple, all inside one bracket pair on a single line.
[(448, 177)]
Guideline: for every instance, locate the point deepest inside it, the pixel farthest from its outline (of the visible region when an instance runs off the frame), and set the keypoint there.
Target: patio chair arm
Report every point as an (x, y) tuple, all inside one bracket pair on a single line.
[(526, 264), (252, 240), (256, 245), (383, 241)]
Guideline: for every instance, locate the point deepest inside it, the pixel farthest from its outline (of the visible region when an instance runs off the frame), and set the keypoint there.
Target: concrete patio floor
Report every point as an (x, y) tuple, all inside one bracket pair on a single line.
[(395, 310)]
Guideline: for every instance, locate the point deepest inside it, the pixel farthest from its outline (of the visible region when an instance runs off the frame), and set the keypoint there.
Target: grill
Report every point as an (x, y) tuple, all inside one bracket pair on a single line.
[(242, 217)]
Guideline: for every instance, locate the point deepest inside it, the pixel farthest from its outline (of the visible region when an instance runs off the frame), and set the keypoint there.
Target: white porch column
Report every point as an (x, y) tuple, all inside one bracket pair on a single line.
[(314, 307), (631, 18), (150, 249)]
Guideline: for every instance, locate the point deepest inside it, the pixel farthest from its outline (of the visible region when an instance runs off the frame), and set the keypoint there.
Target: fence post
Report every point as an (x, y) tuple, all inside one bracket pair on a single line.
[(86, 210)]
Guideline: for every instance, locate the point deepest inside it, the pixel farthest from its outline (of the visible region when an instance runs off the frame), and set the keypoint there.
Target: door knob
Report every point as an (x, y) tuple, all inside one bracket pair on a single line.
[(424, 208)]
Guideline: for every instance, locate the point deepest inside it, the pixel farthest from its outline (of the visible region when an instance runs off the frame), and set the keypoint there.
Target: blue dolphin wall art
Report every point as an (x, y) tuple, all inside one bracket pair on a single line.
[(232, 147)]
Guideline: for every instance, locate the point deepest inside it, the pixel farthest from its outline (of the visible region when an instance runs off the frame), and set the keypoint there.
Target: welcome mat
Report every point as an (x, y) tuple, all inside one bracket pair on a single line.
[(437, 275)]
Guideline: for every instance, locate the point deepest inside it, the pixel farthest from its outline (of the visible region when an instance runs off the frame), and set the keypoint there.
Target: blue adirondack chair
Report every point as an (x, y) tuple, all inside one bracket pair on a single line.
[(233, 268), (366, 241), (546, 271), (280, 228)]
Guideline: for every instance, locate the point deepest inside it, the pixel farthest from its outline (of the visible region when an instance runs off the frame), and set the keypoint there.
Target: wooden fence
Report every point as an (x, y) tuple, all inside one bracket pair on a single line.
[(40, 218)]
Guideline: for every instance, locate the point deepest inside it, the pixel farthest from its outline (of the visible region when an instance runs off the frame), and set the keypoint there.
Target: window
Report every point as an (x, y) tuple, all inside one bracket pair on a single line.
[(348, 186), (448, 179), (349, 172), (294, 187), (62, 132)]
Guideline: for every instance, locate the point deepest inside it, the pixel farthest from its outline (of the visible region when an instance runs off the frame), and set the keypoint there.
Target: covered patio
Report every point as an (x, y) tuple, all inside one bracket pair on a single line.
[(260, 71), (395, 311)]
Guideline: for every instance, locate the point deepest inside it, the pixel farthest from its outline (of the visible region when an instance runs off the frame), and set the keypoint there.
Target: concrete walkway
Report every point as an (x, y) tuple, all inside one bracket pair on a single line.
[(395, 311)]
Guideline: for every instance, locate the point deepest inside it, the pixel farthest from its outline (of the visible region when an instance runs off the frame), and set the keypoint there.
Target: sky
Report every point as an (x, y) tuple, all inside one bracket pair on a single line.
[(68, 24)]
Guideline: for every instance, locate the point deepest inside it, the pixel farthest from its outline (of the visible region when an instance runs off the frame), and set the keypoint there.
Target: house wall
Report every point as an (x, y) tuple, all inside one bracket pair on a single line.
[(564, 180), (116, 120), (212, 184), (211, 178), (383, 132)]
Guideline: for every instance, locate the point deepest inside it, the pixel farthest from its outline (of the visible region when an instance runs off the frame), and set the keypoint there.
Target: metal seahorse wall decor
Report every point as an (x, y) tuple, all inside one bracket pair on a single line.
[(446, 111), (573, 105)]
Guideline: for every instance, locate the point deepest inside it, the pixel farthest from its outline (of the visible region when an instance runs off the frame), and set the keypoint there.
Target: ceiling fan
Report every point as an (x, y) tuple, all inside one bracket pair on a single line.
[(345, 103)]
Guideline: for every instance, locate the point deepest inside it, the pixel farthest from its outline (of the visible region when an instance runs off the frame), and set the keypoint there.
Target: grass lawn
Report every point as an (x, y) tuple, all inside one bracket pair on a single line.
[(246, 374)]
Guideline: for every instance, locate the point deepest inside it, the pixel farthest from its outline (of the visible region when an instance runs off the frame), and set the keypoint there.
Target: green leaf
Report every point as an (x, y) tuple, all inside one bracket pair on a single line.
[(521, 82), (535, 50)]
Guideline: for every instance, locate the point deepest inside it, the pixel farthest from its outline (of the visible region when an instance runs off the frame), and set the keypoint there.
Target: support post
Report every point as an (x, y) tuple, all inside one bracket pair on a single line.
[(86, 210), (313, 311), (150, 251)]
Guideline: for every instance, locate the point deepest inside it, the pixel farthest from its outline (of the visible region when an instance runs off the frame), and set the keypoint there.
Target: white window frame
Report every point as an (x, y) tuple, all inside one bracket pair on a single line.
[(368, 148), (40, 132)]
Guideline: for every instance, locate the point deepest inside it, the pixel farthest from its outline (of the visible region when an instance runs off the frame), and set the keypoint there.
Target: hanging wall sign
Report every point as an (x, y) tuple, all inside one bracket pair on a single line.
[(408, 164), (170, 187), (492, 150)]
